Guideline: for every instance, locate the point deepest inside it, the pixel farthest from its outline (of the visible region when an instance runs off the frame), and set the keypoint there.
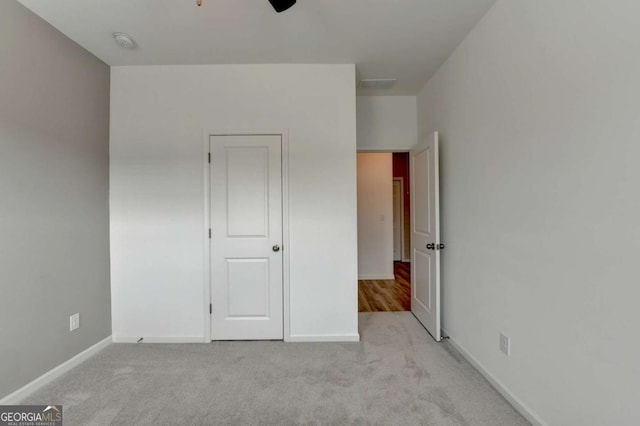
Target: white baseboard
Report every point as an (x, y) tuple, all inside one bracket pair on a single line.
[(17, 396), (323, 338), (516, 402), (376, 277), (180, 339), (406, 260)]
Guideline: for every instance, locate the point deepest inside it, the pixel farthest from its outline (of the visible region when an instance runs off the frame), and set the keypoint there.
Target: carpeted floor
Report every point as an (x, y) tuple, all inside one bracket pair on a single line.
[(397, 375)]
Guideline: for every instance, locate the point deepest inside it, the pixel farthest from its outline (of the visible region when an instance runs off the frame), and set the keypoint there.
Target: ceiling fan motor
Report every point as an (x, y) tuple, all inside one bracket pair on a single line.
[(282, 5), (278, 5)]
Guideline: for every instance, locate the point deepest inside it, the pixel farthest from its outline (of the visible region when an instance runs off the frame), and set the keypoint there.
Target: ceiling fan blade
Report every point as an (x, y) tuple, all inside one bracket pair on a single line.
[(282, 5)]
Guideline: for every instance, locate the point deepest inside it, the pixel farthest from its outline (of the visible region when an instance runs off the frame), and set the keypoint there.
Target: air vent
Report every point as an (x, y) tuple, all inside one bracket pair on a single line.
[(378, 83)]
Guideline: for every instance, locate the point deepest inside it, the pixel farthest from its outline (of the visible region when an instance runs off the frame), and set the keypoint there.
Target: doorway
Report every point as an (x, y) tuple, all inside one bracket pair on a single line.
[(384, 239)]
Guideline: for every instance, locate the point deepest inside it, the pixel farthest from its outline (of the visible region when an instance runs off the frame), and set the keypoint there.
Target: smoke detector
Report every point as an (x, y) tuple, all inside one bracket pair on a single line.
[(378, 83), (124, 40)]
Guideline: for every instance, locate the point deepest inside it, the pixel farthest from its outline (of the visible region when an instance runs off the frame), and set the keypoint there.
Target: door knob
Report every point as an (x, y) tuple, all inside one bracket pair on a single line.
[(276, 248), (431, 246), (441, 246)]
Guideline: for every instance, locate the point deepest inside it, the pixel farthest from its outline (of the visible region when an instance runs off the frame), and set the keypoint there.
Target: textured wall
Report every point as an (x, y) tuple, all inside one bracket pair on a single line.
[(158, 117), (375, 216), (539, 116), (54, 213), (387, 123)]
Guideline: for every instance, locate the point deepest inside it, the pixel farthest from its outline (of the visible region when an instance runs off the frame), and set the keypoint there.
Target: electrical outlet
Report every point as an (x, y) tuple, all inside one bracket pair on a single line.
[(505, 344), (74, 322)]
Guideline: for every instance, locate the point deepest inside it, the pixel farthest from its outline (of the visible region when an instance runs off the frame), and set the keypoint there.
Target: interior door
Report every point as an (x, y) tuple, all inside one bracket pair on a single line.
[(246, 237), (425, 235), (397, 220)]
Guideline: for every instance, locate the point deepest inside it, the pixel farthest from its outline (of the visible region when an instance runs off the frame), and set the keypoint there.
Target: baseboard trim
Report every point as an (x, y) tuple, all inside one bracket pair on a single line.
[(516, 402), (406, 260), (310, 338), (17, 396), (376, 277), (180, 339)]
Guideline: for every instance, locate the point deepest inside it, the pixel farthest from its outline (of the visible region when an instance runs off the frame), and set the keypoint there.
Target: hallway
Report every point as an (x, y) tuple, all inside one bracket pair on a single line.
[(387, 295)]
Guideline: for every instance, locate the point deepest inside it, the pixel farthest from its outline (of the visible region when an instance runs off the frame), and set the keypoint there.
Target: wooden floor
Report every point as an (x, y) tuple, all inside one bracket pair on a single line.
[(387, 295)]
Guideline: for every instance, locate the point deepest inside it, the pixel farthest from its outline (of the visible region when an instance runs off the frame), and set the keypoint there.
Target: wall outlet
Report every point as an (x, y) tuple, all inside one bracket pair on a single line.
[(505, 344), (74, 322)]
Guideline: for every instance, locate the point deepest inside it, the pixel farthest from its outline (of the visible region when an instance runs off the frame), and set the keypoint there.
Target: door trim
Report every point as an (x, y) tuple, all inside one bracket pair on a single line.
[(402, 218), (206, 135)]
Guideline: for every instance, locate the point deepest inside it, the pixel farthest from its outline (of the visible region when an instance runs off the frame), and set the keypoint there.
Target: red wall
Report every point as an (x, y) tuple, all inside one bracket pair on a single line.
[(401, 169)]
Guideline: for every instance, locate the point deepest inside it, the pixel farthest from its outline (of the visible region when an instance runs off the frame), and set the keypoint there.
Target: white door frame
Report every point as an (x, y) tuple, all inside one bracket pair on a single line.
[(402, 254), (206, 135)]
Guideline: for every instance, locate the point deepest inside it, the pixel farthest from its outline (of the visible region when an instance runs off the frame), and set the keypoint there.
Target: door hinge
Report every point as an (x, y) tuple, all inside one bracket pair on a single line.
[(210, 309), (209, 233), (209, 157)]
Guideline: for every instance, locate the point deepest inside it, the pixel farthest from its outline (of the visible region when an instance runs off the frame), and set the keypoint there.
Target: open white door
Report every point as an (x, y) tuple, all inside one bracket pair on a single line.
[(246, 237), (425, 235)]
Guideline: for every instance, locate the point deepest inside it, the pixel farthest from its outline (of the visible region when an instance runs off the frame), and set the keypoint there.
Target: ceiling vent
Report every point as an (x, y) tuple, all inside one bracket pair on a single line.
[(378, 83), (124, 40)]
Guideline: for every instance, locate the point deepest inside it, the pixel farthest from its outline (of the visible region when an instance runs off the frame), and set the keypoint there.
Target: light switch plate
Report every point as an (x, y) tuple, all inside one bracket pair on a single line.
[(74, 322), (505, 344)]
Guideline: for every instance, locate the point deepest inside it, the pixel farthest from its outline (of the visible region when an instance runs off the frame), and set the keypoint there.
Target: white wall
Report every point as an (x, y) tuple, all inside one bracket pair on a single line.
[(539, 114), (386, 123), (54, 221), (375, 216), (158, 114)]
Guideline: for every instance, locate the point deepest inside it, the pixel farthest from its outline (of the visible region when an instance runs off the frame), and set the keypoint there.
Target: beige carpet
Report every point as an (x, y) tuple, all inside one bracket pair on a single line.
[(397, 375)]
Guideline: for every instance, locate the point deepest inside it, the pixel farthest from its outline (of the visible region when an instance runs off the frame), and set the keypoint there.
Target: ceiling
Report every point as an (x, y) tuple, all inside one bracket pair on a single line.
[(403, 39)]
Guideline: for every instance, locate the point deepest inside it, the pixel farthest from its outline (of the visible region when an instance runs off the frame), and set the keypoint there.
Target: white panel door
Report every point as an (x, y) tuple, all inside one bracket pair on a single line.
[(246, 237), (425, 235)]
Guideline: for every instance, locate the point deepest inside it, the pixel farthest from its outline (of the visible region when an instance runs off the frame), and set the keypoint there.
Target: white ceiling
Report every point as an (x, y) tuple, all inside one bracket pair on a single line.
[(403, 39)]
